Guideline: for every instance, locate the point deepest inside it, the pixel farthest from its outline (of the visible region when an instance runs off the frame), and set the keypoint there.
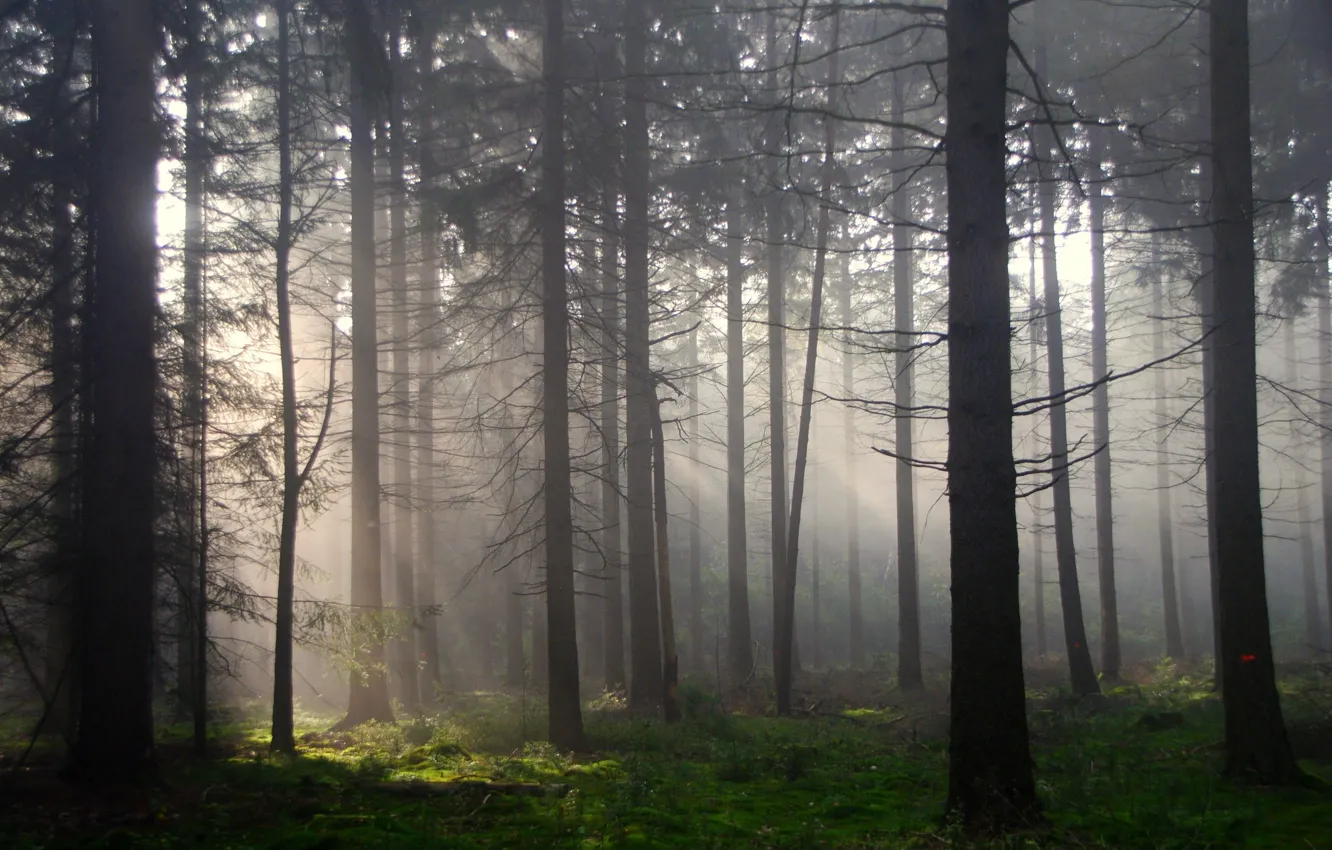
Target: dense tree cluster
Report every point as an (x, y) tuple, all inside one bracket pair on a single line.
[(370, 350)]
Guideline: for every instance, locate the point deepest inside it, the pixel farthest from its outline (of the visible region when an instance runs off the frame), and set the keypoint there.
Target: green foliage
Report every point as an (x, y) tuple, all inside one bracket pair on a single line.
[(1137, 768)]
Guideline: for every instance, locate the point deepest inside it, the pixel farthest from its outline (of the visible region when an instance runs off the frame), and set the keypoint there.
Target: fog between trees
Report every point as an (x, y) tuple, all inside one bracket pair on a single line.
[(440, 288)]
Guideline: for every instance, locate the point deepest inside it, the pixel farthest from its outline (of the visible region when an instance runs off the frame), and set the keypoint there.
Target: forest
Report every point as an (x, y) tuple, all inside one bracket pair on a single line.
[(665, 423)]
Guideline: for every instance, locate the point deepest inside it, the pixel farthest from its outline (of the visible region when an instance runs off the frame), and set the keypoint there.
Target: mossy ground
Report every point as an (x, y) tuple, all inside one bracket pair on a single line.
[(1137, 768)]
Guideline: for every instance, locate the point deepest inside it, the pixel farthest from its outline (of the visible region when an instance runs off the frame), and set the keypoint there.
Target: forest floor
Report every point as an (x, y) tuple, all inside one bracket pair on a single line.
[(863, 767)]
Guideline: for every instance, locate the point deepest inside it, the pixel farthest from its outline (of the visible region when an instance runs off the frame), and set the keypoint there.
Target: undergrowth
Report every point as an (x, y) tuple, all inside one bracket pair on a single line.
[(1137, 767)]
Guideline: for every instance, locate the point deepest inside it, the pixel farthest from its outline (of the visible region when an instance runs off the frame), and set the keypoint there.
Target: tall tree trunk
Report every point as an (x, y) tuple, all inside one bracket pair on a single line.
[(670, 658), (990, 783), (115, 593), (566, 713), (1037, 506), (815, 562), (1082, 674), (196, 166), (427, 484), (739, 636), (368, 697), (60, 672), (908, 581), (1325, 388), (611, 498), (1313, 627), (1164, 511), (1256, 742), (781, 643), (405, 666), (1105, 518), (695, 516), (283, 733), (850, 476), (645, 681), (784, 650)]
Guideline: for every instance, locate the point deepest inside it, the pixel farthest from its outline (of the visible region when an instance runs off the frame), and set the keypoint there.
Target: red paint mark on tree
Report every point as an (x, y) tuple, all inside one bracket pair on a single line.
[(1246, 658)]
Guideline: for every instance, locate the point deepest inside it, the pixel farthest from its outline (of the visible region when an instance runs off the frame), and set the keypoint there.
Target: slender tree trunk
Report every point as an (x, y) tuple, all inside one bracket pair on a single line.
[(781, 643), (1256, 742), (908, 581), (1105, 518), (115, 594), (196, 165), (283, 734), (368, 698), (1037, 506), (1325, 389), (611, 499), (740, 639), (670, 658), (695, 517), (60, 673), (1313, 627), (815, 562), (990, 783), (1164, 511), (566, 717), (1070, 596), (784, 651), (427, 484), (645, 681), (405, 667), (850, 476)]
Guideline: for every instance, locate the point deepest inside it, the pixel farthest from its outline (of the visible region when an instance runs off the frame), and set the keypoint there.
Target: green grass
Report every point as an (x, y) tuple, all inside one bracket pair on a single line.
[(1137, 769)]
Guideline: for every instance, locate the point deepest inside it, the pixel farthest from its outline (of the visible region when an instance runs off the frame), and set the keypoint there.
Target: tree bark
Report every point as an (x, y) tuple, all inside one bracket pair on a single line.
[(1082, 675), (1037, 506), (850, 474), (1164, 509), (565, 705), (908, 581), (283, 738), (781, 643), (739, 636), (1256, 743), (695, 516), (368, 697), (611, 498), (1105, 517), (670, 658), (427, 483), (645, 682), (405, 667), (116, 577), (990, 783)]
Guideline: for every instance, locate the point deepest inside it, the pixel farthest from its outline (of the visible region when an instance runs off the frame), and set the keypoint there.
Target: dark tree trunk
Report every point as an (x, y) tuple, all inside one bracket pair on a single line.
[(1164, 510), (1037, 506), (1105, 518), (427, 485), (404, 596), (777, 385), (611, 499), (739, 637), (990, 784), (283, 734), (1082, 674), (60, 673), (695, 517), (368, 697), (908, 581), (115, 588), (566, 713), (850, 476), (670, 658), (645, 679), (189, 684), (1256, 743)]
